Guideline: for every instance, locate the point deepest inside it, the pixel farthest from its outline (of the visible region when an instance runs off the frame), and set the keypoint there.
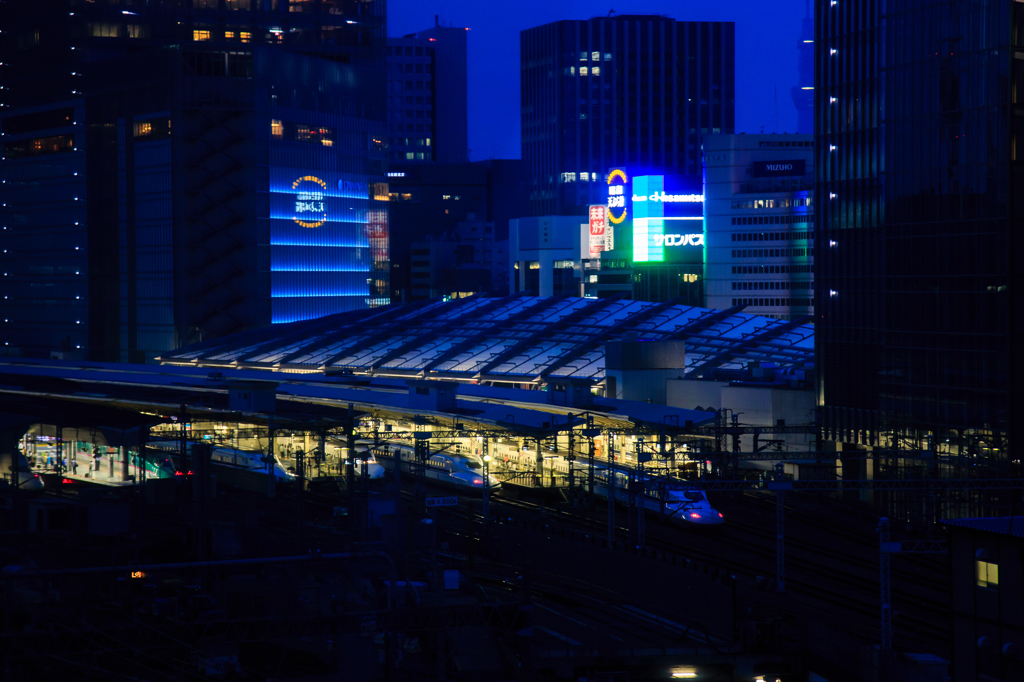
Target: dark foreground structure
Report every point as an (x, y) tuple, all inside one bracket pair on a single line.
[(920, 191)]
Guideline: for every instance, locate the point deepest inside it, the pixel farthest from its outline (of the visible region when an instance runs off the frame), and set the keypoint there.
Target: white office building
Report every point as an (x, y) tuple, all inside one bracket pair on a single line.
[(759, 224)]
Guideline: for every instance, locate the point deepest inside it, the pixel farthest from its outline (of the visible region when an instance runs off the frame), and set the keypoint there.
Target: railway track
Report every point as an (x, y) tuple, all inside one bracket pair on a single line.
[(922, 625)]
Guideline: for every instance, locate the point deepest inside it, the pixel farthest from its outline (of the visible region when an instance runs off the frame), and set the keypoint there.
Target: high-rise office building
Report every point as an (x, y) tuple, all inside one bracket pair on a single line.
[(759, 224), (625, 91), (803, 91), (172, 172), (920, 225), (427, 96)]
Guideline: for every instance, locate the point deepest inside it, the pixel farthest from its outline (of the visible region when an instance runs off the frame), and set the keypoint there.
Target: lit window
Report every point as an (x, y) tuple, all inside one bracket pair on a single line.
[(138, 30), (143, 128), (583, 71), (200, 35), (446, 197), (595, 71), (568, 177), (987, 574), (607, 56), (276, 128), (410, 155), (595, 56), (246, 36), (585, 176), (428, 141), (583, 56), (326, 141), (229, 35)]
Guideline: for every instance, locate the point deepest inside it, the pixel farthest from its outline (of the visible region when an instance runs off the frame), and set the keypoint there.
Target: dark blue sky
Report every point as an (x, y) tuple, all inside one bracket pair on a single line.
[(767, 34)]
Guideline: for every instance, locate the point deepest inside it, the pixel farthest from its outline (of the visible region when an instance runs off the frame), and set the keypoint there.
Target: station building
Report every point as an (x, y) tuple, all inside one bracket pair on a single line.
[(759, 224)]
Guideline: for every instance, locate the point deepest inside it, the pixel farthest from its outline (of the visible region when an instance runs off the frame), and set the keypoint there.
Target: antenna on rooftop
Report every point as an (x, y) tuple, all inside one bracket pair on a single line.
[(610, 12)]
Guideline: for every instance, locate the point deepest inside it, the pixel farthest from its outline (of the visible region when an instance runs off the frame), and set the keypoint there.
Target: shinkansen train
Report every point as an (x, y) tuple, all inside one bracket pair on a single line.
[(229, 457), (460, 471), (373, 467), (682, 505)]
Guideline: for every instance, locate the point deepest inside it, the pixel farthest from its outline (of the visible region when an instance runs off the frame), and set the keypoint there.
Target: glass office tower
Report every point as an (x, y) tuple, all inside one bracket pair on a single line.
[(177, 171), (624, 91), (919, 111)]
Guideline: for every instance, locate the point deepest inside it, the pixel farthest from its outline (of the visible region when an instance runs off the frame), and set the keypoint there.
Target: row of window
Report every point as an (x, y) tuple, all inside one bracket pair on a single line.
[(112, 30), (280, 130), (584, 176), (410, 141), (407, 50), (771, 269), (768, 253), (804, 219), (584, 71), (153, 129), (398, 115), (39, 145), (773, 203), (215, 4), (773, 302), (407, 68), (785, 143), (771, 236), (787, 286), (207, 34)]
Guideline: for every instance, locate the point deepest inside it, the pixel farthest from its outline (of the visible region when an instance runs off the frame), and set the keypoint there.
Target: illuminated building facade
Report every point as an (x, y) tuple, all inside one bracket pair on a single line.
[(759, 224), (175, 173), (622, 91), (427, 96), (919, 152), (653, 240)]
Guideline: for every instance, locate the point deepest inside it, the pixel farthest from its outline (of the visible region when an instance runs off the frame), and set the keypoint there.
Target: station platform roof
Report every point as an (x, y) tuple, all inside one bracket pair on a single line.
[(74, 393), (513, 339)]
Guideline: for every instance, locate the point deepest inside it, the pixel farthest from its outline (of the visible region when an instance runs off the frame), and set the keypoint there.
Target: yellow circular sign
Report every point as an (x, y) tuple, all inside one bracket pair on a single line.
[(617, 196), (310, 210)]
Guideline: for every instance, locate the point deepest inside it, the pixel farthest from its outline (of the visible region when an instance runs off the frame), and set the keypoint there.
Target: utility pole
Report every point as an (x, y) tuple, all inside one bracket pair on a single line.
[(884, 585), (780, 527)]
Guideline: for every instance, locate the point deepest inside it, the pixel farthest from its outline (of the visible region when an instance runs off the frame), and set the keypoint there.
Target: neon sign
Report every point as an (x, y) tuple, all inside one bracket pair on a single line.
[(309, 201), (678, 239), (671, 198), (617, 182)]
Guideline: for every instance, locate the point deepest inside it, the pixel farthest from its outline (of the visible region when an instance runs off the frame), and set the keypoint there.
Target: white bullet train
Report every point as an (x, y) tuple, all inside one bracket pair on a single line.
[(373, 467), (229, 457), (450, 469), (682, 505)]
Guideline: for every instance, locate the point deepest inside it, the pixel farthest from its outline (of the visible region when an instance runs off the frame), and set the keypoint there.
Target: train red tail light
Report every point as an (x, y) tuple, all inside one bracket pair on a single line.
[(720, 515), (477, 481), (694, 515)]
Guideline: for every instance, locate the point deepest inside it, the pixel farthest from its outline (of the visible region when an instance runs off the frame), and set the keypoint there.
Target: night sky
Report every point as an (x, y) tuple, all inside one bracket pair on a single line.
[(767, 34)]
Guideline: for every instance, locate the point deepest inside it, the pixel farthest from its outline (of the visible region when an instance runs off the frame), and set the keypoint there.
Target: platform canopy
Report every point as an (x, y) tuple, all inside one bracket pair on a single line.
[(517, 339)]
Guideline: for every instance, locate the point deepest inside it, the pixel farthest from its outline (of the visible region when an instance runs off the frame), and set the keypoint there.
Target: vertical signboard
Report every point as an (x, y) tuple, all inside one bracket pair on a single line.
[(597, 230)]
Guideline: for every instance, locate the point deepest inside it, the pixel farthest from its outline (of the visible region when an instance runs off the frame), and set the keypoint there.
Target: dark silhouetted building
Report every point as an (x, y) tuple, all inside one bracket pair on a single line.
[(427, 113), (920, 215), (442, 203), (626, 91), (174, 172)]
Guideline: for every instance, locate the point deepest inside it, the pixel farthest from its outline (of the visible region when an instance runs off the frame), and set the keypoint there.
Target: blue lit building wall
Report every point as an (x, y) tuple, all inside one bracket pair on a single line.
[(43, 255), (326, 221)]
